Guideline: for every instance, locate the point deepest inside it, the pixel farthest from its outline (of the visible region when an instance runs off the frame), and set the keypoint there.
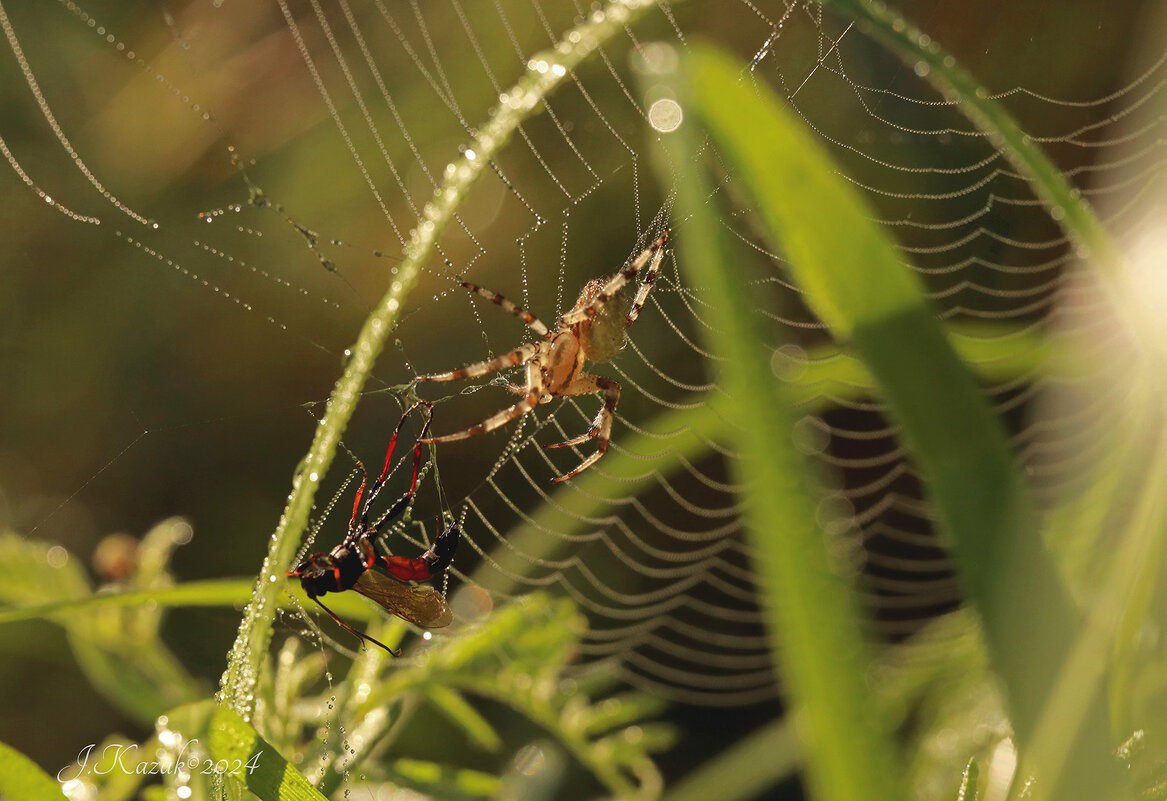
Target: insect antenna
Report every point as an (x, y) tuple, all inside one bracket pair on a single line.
[(360, 634)]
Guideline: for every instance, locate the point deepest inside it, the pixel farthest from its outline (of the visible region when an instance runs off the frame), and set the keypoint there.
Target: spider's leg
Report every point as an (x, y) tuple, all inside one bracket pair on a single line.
[(531, 320), (601, 430), (516, 356), (645, 287), (614, 285), (491, 423)]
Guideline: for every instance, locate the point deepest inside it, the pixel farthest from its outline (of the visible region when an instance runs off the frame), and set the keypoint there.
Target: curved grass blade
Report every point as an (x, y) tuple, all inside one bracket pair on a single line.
[(522, 100), (207, 593), (914, 46)]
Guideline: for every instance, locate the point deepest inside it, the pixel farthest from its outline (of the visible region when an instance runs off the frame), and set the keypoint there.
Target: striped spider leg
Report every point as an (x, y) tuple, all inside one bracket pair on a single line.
[(594, 330)]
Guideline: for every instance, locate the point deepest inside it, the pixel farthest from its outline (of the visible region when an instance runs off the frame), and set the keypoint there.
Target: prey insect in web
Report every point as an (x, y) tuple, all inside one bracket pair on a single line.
[(354, 564), (594, 330)]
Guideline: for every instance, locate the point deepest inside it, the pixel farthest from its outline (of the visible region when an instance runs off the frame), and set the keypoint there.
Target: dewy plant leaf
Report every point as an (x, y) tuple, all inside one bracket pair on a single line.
[(855, 280), (817, 636), (262, 769)]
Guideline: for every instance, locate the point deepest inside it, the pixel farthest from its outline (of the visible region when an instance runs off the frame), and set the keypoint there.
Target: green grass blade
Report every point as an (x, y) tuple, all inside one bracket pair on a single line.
[(745, 770), (855, 281), (818, 638), (208, 593), (21, 779), (915, 47), (522, 100), (273, 779), (968, 782), (463, 715)]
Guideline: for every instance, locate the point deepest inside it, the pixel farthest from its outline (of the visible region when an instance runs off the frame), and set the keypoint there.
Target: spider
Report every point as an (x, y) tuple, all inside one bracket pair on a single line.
[(594, 330)]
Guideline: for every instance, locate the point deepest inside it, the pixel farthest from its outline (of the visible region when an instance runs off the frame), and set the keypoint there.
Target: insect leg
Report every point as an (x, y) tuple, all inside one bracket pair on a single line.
[(380, 482), (360, 634)]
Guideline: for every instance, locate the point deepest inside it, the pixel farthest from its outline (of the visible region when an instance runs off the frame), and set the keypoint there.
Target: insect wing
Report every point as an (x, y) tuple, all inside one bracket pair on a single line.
[(421, 605)]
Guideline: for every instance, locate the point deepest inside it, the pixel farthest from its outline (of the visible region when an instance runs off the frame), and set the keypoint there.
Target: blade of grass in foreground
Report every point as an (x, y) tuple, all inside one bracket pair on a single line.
[(854, 279), (745, 770), (812, 613), (210, 593)]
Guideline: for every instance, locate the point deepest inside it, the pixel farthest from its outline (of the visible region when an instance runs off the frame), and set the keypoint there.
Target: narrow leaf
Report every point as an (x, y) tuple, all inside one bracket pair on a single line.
[(744, 770), (855, 280), (464, 716), (21, 779), (273, 778), (811, 609)]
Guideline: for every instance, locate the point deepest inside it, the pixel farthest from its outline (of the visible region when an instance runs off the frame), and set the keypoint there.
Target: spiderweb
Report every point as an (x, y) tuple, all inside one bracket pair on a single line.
[(275, 159)]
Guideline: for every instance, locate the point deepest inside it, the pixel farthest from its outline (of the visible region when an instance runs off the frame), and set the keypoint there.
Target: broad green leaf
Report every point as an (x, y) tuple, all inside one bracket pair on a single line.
[(273, 779), (21, 779)]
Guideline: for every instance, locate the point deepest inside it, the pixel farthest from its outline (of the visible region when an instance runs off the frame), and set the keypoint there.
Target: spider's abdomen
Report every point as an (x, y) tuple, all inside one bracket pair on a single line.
[(604, 335)]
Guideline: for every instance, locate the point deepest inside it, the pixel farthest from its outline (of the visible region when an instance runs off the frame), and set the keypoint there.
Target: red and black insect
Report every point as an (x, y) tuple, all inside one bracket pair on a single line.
[(354, 563)]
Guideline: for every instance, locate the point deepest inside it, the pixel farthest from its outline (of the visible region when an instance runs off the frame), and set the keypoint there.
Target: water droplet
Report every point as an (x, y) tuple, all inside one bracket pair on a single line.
[(665, 115), (530, 760), (57, 556)]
